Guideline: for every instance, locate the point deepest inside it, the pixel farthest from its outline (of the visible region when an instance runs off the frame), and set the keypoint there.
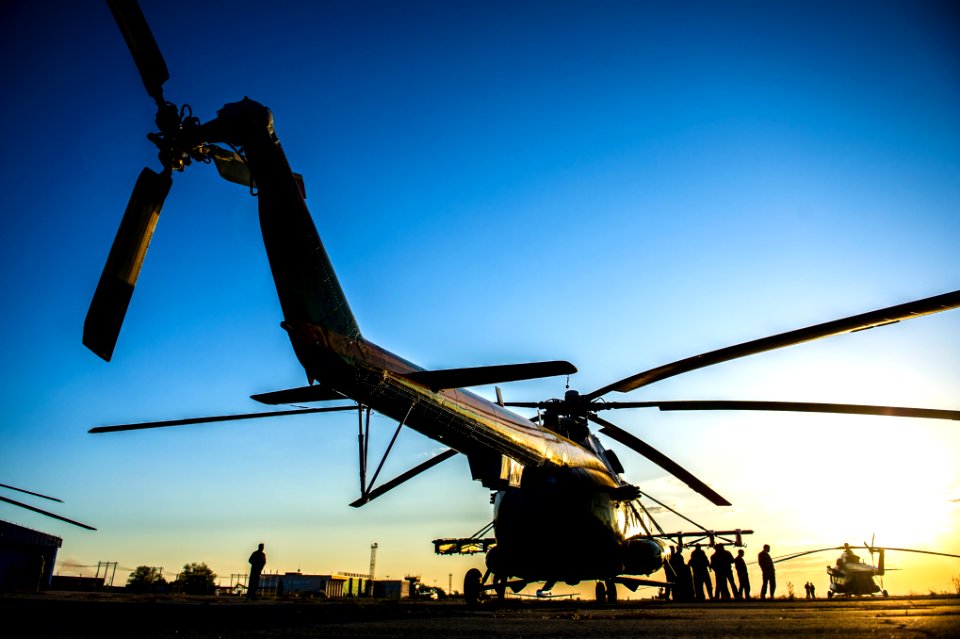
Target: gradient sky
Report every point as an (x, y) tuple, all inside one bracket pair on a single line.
[(618, 184)]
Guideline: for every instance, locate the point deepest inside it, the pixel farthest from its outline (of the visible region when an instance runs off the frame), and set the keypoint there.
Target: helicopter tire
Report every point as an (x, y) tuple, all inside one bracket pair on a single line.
[(471, 587), (500, 587), (884, 592), (601, 592), (830, 595)]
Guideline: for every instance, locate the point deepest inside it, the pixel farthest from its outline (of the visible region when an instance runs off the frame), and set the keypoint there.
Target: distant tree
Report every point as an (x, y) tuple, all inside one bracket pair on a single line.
[(196, 579), (956, 583), (145, 579)]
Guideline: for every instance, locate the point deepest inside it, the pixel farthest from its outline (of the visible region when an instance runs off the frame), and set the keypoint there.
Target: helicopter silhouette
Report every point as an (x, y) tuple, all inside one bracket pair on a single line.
[(549, 472), (851, 576)]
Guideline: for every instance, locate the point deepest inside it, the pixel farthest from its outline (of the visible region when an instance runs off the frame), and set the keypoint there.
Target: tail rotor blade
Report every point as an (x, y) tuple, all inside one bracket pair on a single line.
[(146, 54), (110, 301)]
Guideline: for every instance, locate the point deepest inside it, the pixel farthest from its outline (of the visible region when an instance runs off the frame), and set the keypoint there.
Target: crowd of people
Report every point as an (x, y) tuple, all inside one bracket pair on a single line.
[(692, 581)]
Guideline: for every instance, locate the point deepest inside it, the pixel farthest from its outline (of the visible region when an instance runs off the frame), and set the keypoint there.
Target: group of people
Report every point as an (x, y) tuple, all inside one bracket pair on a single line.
[(692, 582)]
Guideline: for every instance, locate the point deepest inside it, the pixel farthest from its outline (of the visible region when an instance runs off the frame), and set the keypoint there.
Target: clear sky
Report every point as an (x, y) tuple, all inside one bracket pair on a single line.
[(618, 184)]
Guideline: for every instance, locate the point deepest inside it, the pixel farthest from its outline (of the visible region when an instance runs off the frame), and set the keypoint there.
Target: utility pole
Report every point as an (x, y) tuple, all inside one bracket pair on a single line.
[(373, 567)]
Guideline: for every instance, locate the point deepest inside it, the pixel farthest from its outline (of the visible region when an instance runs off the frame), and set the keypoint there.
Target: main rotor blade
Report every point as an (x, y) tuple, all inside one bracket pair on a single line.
[(806, 552), (483, 375), (631, 441), (30, 492), (799, 407), (889, 315), (315, 393), (146, 54), (112, 297), (44, 512), (216, 418)]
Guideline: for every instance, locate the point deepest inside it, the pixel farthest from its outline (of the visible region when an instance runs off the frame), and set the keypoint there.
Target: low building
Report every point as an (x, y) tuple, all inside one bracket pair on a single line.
[(26, 557), (329, 586)]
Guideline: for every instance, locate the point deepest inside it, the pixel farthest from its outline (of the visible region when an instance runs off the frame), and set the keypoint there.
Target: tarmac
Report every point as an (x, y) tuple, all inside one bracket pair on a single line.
[(109, 615)]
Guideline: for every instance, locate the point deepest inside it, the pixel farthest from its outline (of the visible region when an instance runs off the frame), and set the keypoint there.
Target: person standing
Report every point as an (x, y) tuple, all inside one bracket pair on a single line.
[(258, 559), (743, 576), (722, 563), (701, 574), (682, 586), (769, 573)]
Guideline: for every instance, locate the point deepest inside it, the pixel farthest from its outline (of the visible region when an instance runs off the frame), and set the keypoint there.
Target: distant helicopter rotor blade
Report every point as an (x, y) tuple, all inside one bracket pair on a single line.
[(143, 47), (806, 552), (922, 552), (800, 407), (635, 443), (44, 512), (216, 418), (889, 315), (112, 297)]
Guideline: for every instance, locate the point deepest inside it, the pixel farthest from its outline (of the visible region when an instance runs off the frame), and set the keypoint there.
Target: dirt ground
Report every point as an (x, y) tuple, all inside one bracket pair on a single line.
[(104, 615)]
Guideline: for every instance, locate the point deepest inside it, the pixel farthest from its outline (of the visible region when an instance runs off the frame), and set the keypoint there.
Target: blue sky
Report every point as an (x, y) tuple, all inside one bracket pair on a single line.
[(619, 184)]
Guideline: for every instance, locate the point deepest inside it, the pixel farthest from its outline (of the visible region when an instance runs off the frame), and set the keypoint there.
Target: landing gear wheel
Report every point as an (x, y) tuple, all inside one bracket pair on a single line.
[(830, 595), (500, 587), (471, 587), (611, 591), (884, 593), (601, 592)]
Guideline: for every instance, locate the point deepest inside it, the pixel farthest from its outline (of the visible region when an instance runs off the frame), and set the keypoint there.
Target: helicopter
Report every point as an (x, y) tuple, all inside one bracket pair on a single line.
[(46, 513), (851, 576), (549, 472)]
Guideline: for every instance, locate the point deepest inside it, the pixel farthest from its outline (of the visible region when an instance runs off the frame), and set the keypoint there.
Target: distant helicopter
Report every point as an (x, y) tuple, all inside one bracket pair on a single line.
[(851, 576), (38, 510), (562, 509)]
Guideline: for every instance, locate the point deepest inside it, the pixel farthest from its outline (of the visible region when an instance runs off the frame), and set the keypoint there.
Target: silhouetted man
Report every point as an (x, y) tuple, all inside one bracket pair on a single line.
[(743, 590), (769, 574), (722, 563), (680, 575), (257, 561), (701, 574)]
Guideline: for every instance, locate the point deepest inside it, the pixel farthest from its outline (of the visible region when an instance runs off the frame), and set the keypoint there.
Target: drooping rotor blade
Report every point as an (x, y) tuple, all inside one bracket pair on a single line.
[(631, 441), (401, 478), (799, 407), (299, 395), (112, 297), (30, 492), (483, 375), (216, 418), (44, 512), (922, 552), (860, 322), (146, 54)]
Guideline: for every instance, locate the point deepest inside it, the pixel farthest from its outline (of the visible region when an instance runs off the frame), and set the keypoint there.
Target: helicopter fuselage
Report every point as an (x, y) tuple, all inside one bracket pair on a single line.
[(556, 511)]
